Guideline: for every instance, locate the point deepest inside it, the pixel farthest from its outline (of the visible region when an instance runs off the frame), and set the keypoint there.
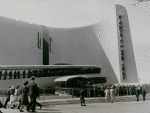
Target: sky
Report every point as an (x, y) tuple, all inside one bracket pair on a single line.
[(78, 13), (60, 13)]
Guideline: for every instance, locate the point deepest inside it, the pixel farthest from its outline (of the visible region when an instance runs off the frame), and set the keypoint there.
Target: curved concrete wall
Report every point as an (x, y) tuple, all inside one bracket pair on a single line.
[(80, 46), (73, 46), (18, 43)]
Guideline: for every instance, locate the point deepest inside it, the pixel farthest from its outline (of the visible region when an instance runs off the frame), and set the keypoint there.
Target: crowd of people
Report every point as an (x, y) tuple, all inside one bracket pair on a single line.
[(110, 91), (119, 90), (21, 93)]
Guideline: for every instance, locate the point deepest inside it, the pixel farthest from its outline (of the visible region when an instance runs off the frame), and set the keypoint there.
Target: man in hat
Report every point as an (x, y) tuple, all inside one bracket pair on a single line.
[(7, 97), (33, 93)]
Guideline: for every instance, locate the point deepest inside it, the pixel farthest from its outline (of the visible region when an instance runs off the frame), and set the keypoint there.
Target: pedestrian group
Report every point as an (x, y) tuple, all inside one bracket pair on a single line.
[(20, 94)]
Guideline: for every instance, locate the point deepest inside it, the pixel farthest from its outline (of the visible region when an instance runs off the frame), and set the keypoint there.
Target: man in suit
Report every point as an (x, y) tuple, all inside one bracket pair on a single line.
[(33, 93), (138, 91)]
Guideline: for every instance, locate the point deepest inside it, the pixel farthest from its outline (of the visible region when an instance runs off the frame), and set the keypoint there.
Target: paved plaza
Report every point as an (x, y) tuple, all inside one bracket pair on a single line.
[(129, 106)]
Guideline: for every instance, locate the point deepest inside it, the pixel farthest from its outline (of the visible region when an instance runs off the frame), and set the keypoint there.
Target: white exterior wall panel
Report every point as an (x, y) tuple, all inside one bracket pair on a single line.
[(18, 43), (129, 62), (80, 46)]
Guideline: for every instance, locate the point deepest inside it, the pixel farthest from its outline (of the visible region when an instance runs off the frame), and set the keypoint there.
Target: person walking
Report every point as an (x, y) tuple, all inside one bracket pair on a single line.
[(112, 94), (12, 91), (137, 92), (143, 92), (16, 95), (33, 93), (37, 103), (7, 97), (24, 95), (107, 94), (82, 97)]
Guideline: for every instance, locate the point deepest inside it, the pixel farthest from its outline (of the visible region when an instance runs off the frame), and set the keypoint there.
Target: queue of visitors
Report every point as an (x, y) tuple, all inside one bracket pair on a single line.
[(20, 94), (110, 91), (119, 90)]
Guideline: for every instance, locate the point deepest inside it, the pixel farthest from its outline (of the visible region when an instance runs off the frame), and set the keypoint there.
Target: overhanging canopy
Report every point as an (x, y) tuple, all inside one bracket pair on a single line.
[(67, 78)]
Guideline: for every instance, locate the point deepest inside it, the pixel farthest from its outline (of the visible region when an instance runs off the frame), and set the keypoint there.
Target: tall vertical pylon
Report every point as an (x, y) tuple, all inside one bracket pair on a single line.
[(128, 70)]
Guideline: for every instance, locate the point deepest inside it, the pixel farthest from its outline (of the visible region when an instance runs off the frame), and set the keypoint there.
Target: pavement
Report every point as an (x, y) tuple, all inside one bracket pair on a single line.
[(66, 104)]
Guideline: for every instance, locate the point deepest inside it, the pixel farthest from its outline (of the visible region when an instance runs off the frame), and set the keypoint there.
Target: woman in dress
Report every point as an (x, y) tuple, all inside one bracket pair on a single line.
[(24, 95), (16, 96)]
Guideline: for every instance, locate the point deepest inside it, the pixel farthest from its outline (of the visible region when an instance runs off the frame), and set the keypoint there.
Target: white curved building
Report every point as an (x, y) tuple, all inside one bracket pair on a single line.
[(98, 44)]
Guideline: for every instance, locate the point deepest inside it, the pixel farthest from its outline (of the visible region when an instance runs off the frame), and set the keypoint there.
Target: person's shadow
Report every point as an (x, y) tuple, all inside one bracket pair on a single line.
[(46, 111)]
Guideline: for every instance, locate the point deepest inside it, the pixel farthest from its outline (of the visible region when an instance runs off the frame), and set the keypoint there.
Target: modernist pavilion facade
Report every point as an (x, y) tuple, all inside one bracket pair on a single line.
[(110, 48)]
